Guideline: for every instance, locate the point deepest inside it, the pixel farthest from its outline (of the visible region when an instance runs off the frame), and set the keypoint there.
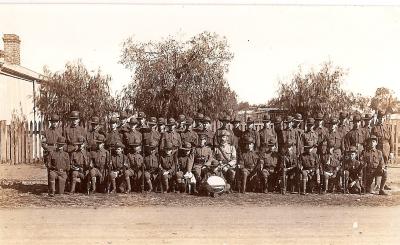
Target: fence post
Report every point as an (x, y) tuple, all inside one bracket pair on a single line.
[(35, 150), (8, 144), (40, 140), (3, 141), (12, 143)]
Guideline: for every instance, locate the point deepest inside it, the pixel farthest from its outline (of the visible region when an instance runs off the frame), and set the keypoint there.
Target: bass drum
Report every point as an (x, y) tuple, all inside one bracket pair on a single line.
[(215, 185)]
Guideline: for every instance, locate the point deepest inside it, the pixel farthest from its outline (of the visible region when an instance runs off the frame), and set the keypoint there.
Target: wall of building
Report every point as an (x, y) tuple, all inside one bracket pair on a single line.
[(15, 94), (395, 125)]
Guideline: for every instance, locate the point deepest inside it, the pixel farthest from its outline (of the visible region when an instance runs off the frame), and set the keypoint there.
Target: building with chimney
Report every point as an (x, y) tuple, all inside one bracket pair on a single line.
[(18, 84)]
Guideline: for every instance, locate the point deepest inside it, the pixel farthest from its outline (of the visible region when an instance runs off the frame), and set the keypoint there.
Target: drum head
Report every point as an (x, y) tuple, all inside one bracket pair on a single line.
[(215, 181)]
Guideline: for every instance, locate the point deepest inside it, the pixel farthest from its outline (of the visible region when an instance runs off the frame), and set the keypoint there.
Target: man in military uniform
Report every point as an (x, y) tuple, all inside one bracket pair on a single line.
[(375, 166), (99, 159), (225, 154), (355, 137), (168, 162), (94, 132), (343, 127), (203, 156), (123, 126), (208, 130), (150, 132), (80, 163), (49, 142), (184, 166), (171, 136), (225, 120), (252, 132), (161, 125), (73, 131), (58, 165), (330, 166), (134, 168), (187, 134), (141, 117), (249, 164), (352, 171), (335, 137), (151, 164), (287, 134), (297, 121), (237, 132), (198, 122), (116, 166), (309, 166), (181, 123), (320, 130), (384, 134), (309, 133), (132, 135), (268, 172), (267, 132), (288, 167), (113, 135)]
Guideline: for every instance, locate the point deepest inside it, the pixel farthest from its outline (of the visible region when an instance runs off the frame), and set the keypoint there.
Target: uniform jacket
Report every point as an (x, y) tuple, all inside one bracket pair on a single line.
[(100, 158), (59, 160), (172, 137), (135, 161), (249, 160), (203, 155), (309, 161), (373, 158)]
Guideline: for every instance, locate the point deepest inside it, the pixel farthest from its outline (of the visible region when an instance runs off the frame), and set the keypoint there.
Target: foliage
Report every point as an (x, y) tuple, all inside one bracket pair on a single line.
[(75, 89), (316, 91), (172, 77), (385, 100)]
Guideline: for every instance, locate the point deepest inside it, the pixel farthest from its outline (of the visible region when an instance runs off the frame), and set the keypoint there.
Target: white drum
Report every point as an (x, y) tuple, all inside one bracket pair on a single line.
[(215, 184)]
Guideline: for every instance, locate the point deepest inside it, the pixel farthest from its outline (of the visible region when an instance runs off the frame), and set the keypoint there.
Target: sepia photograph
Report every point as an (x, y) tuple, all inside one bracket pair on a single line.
[(199, 122)]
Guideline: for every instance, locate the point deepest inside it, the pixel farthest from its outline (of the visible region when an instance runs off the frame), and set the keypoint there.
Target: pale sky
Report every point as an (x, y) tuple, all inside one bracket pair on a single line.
[(269, 42)]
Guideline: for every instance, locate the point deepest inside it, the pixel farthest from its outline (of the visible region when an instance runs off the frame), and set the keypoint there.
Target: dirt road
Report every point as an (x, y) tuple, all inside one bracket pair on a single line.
[(201, 225)]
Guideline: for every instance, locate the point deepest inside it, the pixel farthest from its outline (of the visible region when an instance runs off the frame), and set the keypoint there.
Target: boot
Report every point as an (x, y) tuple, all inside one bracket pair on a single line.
[(265, 186), (166, 186), (194, 188), (304, 187), (326, 186), (73, 184), (244, 185), (128, 186), (114, 186), (52, 188), (182, 187), (150, 186), (93, 185)]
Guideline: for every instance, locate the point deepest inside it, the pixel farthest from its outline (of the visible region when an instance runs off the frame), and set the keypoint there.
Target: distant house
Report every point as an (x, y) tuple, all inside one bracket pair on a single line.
[(17, 83), (394, 122)]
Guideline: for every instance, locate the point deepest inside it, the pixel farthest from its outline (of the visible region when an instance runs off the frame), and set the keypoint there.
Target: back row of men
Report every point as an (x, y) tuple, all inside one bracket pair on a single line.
[(195, 140)]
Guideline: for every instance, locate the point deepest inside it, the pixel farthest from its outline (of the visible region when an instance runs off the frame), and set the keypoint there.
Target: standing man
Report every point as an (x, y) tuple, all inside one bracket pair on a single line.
[(384, 134), (73, 131), (49, 142), (252, 133), (287, 134), (181, 123), (237, 132), (132, 134), (321, 131), (161, 125), (206, 122), (225, 120), (375, 166), (355, 137), (343, 127), (58, 167), (150, 133), (297, 121), (93, 133), (267, 132), (171, 136), (187, 134), (141, 117), (335, 137), (123, 122), (113, 135)]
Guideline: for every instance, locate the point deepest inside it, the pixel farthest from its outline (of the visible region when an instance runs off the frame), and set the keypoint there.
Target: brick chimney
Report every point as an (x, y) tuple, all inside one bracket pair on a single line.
[(11, 49)]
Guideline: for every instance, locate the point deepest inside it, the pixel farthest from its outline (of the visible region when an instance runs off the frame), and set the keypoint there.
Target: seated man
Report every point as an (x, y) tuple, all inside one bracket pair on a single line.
[(330, 165), (151, 168), (309, 165), (133, 170), (225, 154), (100, 157), (202, 158), (352, 171), (184, 167), (269, 157), (116, 166), (168, 165), (58, 167), (249, 164), (288, 168), (80, 162)]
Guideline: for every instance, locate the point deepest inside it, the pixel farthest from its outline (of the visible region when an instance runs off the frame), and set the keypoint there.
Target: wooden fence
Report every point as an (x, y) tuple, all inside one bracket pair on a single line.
[(20, 142)]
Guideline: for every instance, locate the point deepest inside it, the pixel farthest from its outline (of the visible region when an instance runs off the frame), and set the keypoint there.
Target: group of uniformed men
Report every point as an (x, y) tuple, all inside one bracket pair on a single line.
[(140, 153)]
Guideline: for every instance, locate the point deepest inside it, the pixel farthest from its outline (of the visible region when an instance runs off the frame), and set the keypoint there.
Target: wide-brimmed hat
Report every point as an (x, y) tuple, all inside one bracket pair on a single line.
[(367, 116), (356, 118), (278, 119), (189, 121), (331, 143), (168, 146), (334, 120), (181, 118), (342, 115), (373, 137), (152, 121), (54, 118), (141, 115), (133, 121), (288, 119), (248, 140), (161, 121), (380, 114), (310, 121), (74, 115), (95, 120), (298, 117), (171, 121), (206, 119), (199, 117), (186, 146), (319, 116), (114, 120), (119, 144), (224, 133), (352, 149), (100, 139), (309, 144), (123, 115)]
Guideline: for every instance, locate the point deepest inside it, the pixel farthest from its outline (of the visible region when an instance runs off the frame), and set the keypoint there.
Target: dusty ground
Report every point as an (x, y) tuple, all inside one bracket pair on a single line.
[(29, 216)]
